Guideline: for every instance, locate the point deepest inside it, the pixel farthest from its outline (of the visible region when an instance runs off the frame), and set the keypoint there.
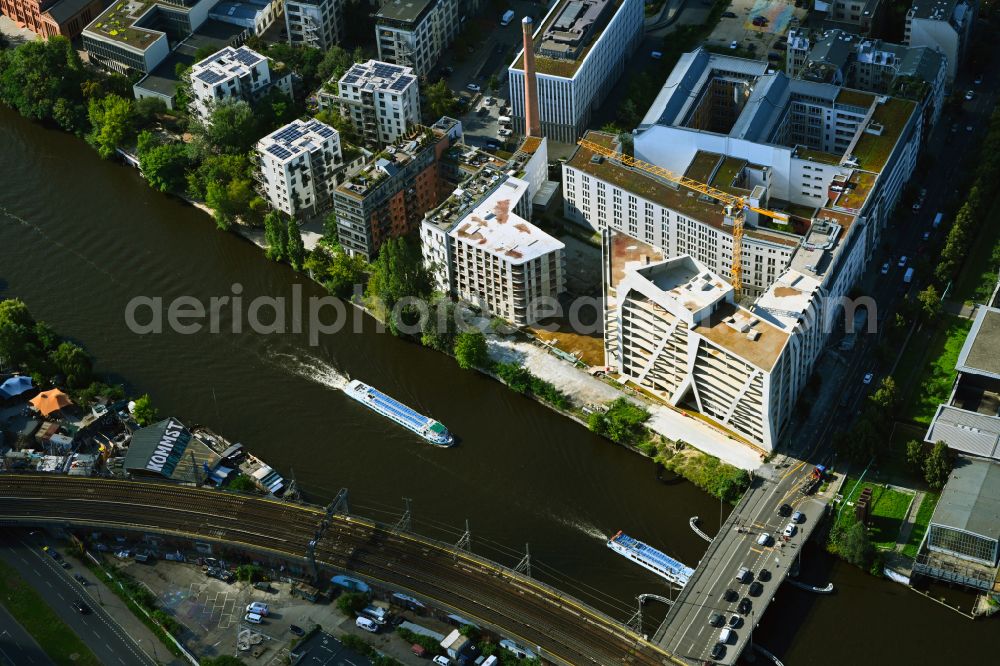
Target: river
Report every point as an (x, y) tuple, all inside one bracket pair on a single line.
[(81, 237)]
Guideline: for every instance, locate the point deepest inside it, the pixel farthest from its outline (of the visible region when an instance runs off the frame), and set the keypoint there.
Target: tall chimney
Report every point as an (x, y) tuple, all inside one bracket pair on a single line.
[(532, 122)]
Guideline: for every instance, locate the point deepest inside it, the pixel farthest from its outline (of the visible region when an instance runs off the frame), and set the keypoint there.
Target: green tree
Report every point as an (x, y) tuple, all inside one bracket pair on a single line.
[(345, 271), (296, 248), (915, 455), (163, 165), (143, 411), (885, 397), (440, 327), (37, 74), (229, 201), (232, 127), (74, 364), (147, 109), (396, 273), (113, 122), (249, 573), (930, 303), (622, 422), (351, 603), (937, 466), (853, 543), (276, 236), (16, 331), (470, 350), (440, 99), (493, 84), (242, 484), (70, 115)]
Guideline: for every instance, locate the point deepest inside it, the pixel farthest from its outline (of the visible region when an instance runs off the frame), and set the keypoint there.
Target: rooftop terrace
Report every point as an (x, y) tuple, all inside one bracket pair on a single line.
[(872, 150), (723, 328), (566, 66), (384, 164), (117, 23)]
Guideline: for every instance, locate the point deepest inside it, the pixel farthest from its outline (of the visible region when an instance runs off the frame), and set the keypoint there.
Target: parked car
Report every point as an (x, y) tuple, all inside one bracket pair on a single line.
[(474, 87), (718, 651), (885, 268), (902, 261), (80, 579), (735, 621), (867, 379), (367, 624), (743, 575), (798, 517), (254, 618), (926, 236), (716, 620), (733, 44), (65, 565), (756, 589), (969, 95), (790, 530), (745, 606), (728, 14), (296, 629), (441, 660), (656, 55), (785, 510), (979, 79), (488, 101), (764, 539), (257, 607)]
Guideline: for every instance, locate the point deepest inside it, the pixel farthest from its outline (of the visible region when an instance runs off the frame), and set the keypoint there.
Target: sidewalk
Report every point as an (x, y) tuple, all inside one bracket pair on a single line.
[(908, 520), (103, 596), (585, 388)]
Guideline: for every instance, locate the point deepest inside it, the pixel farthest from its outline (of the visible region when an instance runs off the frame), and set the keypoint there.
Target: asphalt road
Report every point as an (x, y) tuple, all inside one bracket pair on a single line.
[(97, 629), (17, 647)]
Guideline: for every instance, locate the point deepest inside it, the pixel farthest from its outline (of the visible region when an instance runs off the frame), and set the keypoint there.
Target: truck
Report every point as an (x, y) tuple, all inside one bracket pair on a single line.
[(507, 17), (811, 482), (937, 220), (908, 276)]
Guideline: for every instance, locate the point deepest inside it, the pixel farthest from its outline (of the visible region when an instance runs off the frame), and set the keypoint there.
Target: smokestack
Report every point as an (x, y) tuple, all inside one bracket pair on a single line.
[(532, 122)]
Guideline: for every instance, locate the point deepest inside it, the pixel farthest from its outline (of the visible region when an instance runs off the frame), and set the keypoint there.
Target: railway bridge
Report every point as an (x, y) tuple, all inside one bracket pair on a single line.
[(564, 629)]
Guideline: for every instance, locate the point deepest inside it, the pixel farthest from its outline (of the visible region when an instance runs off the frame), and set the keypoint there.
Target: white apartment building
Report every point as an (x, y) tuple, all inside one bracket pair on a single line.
[(315, 23), (832, 160), (943, 25), (413, 33), (856, 15), (870, 65), (381, 100), (231, 74), (581, 47), (481, 251), (300, 167)]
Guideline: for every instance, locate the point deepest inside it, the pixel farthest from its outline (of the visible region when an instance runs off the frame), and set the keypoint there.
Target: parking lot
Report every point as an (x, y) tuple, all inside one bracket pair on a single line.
[(737, 24)]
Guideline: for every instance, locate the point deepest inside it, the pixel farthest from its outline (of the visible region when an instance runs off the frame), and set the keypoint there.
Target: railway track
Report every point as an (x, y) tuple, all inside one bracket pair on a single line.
[(565, 629)]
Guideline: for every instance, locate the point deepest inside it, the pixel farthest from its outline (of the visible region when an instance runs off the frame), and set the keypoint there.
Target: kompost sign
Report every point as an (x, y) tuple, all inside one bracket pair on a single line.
[(170, 449)]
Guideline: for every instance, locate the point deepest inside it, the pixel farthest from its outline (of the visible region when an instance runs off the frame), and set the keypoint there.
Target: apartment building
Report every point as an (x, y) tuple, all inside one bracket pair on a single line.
[(859, 16), (316, 23), (480, 250), (413, 33), (232, 74), (581, 47), (871, 65), (299, 167), (381, 100), (256, 16), (48, 18), (390, 195), (830, 160), (942, 25)]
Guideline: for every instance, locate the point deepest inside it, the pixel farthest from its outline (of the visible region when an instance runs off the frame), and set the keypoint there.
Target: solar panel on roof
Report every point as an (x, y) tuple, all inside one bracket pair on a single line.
[(246, 56), (279, 152), (210, 77), (323, 131)]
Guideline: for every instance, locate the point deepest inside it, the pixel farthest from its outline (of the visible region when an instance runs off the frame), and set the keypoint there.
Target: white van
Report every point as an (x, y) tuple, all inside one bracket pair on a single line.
[(367, 624), (253, 618), (725, 635), (258, 607), (504, 120), (379, 615)]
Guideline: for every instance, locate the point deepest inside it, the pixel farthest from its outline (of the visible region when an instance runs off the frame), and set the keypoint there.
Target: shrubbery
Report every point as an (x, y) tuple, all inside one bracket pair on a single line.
[(621, 423), (715, 477)]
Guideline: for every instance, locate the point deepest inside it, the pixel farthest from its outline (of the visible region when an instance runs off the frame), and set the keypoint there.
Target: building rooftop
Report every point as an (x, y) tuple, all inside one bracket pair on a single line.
[(980, 354), (940, 10), (878, 140), (211, 34), (493, 227), (407, 11), (117, 23), (387, 162), (732, 327), (786, 299), (966, 431), (686, 281), (377, 76), (64, 10), (627, 253), (297, 137), (567, 33), (857, 187), (225, 64), (858, 98), (970, 500)]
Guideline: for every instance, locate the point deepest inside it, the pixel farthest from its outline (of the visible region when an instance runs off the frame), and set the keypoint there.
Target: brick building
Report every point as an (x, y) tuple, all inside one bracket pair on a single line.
[(52, 17)]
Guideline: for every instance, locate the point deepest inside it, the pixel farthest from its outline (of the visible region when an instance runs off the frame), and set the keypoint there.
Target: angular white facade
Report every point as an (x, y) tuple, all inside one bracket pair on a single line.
[(299, 167), (381, 100), (574, 77), (231, 74)]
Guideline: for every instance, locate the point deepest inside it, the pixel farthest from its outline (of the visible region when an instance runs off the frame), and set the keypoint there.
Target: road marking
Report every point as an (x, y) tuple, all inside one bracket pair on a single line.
[(755, 550)]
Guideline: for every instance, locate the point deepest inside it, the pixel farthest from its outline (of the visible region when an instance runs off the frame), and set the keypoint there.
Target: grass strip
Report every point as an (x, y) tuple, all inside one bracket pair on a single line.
[(62, 645), (886, 514), (938, 367), (920, 524)]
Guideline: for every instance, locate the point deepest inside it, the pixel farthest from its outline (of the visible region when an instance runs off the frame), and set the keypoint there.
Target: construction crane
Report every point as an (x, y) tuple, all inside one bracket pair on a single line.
[(736, 206)]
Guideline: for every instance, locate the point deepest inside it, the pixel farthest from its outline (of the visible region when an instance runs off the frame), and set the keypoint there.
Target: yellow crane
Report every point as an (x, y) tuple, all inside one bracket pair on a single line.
[(736, 206)]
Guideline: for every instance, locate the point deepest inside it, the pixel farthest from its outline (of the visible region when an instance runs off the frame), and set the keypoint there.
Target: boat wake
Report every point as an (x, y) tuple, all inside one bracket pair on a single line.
[(314, 369), (586, 528)]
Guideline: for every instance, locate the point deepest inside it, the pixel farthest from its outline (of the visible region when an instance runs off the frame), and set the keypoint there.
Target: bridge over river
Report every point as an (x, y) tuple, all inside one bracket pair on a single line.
[(564, 629)]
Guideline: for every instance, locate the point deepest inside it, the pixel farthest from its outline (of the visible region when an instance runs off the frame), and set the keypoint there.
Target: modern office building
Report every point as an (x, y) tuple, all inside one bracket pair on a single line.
[(480, 249), (581, 47), (390, 195), (48, 18), (299, 167), (381, 100), (871, 65), (232, 74), (969, 422), (961, 544), (316, 23), (942, 25), (830, 161), (413, 33)]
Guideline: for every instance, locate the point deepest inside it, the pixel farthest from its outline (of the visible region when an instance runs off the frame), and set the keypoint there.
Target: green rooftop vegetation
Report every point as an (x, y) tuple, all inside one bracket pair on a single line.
[(856, 196), (872, 151), (817, 156), (566, 67), (727, 173), (117, 23), (855, 98), (702, 165)]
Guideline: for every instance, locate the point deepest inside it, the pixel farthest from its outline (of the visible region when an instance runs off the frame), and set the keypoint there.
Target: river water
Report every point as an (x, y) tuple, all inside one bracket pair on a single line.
[(81, 237)]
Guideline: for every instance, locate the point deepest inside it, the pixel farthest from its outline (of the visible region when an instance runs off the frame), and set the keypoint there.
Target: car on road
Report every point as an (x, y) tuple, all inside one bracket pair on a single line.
[(80, 579), (867, 379), (733, 44), (473, 87), (80, 607), (885, 268), (969, 95), (916, 206), (926, 237), (730, 595), (296, 629), (968, 128), (901, 262), (728, 14), (756, 589), (743, 575), (979, 79), (764, 539), (790, 530), (735, 621), (785, 510), (718, 651), (656, 55), (798, 517), (923, 193), (716, 620), (764, 575), (744, 606), (65, 565)]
